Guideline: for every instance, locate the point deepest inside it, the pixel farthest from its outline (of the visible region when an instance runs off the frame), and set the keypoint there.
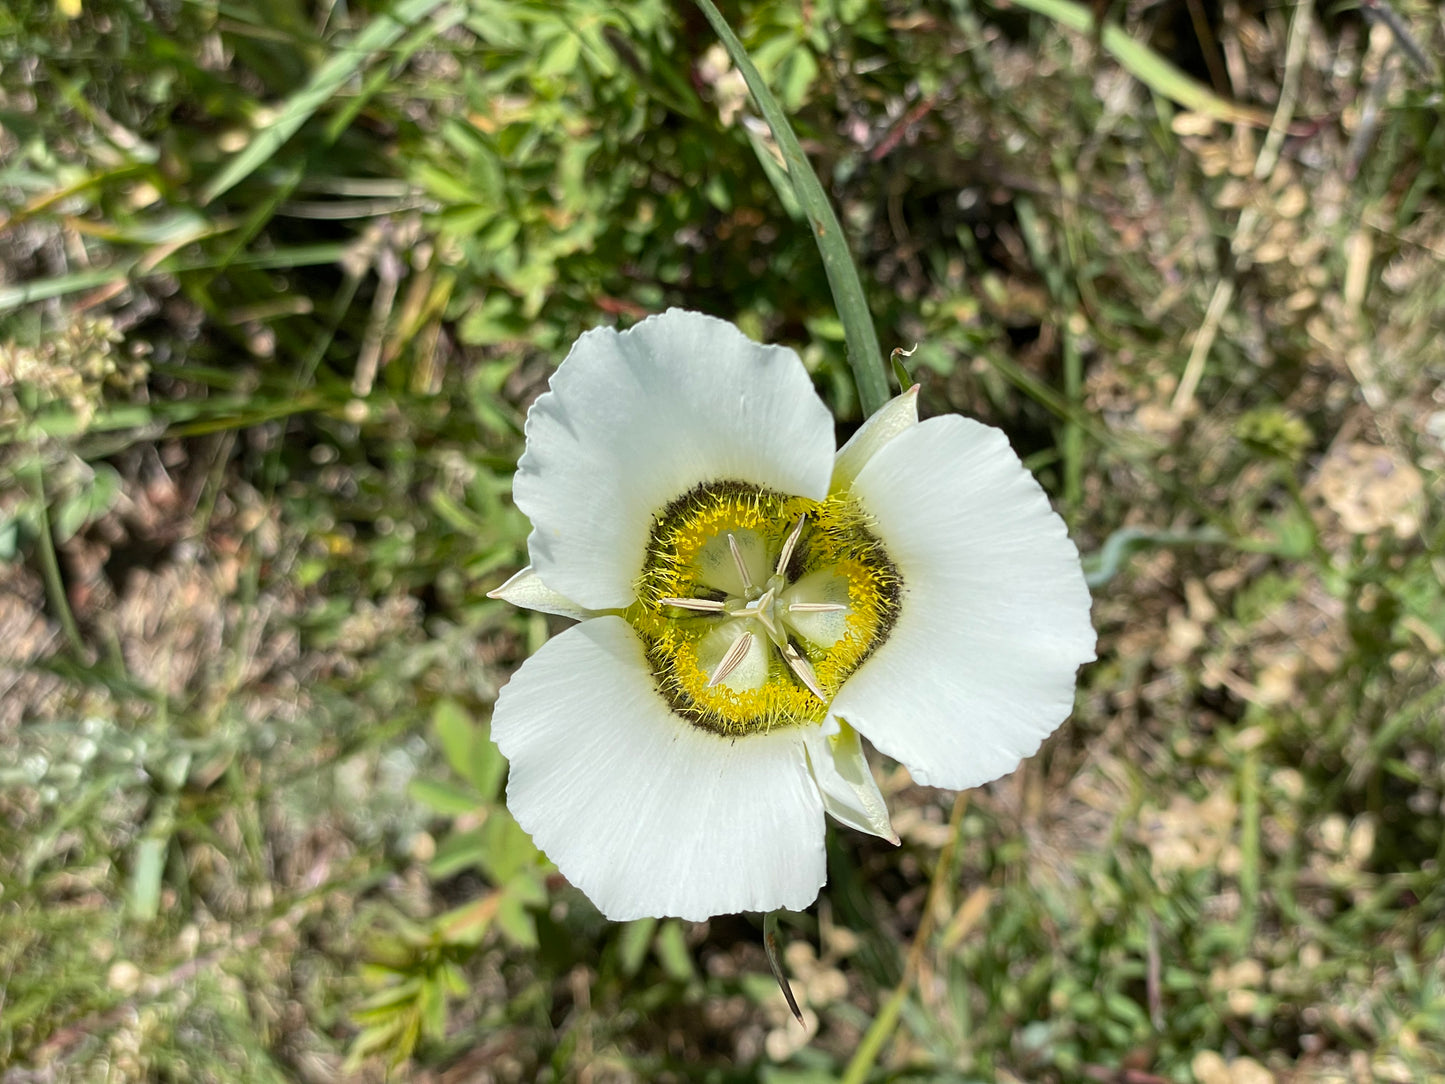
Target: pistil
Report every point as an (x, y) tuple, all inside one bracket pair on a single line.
[(762, 608)]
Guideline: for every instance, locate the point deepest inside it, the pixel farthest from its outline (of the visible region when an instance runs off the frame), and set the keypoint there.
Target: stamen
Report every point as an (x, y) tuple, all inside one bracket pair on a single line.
[(815, 607), (705, 605), (792, 540), (733, 659), (804, 669), (738, 560)]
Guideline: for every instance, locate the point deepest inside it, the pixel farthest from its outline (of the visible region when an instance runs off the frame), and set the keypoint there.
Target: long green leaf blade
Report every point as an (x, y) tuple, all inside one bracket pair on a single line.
[(864, 356), (1147, 66), (381, 33)]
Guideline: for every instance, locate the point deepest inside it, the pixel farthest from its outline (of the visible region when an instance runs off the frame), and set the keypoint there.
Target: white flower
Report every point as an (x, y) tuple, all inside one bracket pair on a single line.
[(749, 602)]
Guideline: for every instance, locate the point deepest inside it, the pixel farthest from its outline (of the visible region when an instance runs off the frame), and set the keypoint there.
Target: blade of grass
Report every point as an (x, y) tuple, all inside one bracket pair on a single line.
[(27, 293), (1105, 563), (1264, 164), (777, 173), (249, 587), (1140, 457), (381, 33), (864, 356), (254, 223), (1249, 864), (1058, 275), (382, 76), (49, 563), (1147, 66), (879, 1032), (54, 196)]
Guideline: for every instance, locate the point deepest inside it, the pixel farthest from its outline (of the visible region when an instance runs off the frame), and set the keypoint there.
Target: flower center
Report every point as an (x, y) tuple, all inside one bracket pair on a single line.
[(755, 606)]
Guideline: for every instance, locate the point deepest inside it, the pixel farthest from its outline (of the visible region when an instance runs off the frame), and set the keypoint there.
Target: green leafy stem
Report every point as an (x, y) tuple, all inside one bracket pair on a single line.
[(864, 356)]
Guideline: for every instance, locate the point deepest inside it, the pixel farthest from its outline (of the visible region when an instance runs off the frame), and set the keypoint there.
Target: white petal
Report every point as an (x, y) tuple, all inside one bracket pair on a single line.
[(644, 812), (850, 793), (637, 419), (896, 416), (527, 590), (994, 620)]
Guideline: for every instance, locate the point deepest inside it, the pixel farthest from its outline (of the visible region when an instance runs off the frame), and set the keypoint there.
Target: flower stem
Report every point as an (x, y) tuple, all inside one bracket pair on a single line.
[(864, 356)]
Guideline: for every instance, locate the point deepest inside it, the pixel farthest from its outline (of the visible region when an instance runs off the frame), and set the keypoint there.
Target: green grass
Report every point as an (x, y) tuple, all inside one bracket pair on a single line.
[(279, 283)]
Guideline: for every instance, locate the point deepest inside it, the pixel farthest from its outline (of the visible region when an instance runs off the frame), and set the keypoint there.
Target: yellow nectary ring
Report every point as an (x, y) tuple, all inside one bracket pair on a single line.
[(754, 605)]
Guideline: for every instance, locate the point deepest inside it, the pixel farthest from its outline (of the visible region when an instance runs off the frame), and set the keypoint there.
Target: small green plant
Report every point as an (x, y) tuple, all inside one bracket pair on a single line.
[(418, 968)]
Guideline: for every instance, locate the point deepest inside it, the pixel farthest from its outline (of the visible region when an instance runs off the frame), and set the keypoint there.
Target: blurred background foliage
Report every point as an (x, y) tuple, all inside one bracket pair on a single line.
[(277, 283)]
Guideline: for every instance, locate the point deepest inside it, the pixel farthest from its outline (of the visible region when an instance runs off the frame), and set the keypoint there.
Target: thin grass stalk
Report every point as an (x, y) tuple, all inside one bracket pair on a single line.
[(865, 1056)]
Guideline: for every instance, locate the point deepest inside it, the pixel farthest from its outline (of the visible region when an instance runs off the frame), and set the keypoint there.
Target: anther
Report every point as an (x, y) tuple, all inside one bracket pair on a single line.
[(815, 607), (733, 659), (704, 605), (738, 560), (804, 669), (792, 540)]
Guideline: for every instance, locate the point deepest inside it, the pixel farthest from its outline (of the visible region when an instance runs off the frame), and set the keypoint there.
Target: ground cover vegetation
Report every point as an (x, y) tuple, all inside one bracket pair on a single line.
[(279, 282)]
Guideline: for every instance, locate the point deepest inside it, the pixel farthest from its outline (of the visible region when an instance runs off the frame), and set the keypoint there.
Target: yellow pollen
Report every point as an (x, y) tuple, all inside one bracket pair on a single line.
[(756, 606)]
